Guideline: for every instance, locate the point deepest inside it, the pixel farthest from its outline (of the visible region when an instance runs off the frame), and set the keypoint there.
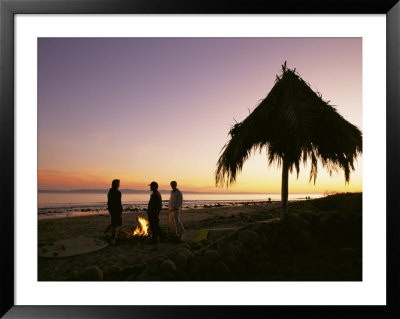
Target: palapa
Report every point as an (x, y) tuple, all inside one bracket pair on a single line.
[(295, 125)]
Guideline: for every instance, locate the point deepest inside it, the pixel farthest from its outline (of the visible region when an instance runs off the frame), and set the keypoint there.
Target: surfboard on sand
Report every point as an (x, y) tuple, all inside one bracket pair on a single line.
[(211, 234), (71, 247)]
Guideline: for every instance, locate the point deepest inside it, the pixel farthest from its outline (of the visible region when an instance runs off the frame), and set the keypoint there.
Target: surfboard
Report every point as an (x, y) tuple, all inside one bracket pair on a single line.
[(71, 247), (211, 234)]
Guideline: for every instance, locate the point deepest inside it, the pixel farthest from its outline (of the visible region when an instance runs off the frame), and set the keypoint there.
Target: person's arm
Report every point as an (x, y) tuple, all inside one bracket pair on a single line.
[(120, 202), (159, 202), (180, 200), (150, 207)]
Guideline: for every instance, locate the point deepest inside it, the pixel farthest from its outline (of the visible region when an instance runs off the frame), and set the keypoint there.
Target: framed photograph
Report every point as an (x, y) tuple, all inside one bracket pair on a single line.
[(130, 97)]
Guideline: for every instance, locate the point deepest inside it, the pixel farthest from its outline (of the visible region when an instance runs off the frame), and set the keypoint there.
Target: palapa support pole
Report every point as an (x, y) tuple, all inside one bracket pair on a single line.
[(285, 188)]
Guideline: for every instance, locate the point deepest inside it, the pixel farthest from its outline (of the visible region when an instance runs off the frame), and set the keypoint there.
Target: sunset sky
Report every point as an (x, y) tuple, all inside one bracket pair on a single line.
[(144, 109)]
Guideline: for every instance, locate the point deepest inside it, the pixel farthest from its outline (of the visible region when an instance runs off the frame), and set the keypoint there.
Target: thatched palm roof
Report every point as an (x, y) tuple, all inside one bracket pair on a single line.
[(294, 123)]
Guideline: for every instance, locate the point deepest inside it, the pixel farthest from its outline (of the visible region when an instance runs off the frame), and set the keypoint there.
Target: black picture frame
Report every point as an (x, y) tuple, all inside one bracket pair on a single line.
[(9, 8)]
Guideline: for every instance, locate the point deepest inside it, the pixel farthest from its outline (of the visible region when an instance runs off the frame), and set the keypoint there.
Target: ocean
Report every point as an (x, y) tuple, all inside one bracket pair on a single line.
[(56, 205)]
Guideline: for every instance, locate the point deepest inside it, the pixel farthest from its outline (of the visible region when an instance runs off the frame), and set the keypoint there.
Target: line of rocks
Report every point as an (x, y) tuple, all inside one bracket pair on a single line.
[(249, 253)]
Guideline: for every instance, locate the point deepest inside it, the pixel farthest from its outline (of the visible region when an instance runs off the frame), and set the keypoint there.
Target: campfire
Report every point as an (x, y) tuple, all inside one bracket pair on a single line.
[(141, 230)]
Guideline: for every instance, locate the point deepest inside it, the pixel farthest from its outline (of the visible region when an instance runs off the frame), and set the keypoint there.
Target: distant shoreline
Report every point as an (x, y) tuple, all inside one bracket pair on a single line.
[(135, 191)]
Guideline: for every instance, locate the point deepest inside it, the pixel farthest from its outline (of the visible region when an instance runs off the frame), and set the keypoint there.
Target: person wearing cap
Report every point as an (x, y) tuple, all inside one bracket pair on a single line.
[(114, 206), (153, 211), (175, 208)]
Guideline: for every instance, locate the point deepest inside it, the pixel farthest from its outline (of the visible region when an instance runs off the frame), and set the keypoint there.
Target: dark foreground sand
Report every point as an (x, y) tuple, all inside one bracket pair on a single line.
[(321, 241)]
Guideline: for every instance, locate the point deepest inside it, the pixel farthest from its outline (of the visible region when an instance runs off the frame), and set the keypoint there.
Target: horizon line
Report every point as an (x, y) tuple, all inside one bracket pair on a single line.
[(130, 190)]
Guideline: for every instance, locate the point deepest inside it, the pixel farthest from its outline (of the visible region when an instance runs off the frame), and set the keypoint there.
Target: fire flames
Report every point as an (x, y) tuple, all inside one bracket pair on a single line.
[(142, 229)]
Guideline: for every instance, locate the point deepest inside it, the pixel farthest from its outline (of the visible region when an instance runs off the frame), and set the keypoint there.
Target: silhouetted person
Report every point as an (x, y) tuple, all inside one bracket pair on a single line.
[(269, 200), (175, 208), (153, 210), (114, 206)]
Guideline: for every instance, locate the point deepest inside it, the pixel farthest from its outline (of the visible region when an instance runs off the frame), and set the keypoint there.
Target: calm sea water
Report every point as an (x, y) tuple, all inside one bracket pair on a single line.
[(51, 205)]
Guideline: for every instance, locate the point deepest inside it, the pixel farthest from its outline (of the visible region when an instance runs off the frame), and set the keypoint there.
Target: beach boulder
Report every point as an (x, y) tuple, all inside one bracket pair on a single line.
[(181, 261), (307, 216), (168, 265), (222, 270), (238, 247), (213, 255), (183, 245), (184, 251), (148, 276), (203, 261), (297, 223), (301, 240), (227, 252), (193, 268), (92, 273), (248, 237), (154, 267), (168, 276), (257, 249)]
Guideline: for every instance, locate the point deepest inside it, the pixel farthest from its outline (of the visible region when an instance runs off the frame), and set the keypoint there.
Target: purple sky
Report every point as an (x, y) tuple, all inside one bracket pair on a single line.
[(143, 109)]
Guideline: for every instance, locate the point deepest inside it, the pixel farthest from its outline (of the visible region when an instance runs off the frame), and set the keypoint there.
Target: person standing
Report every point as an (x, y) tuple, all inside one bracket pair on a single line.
[(153, 211), (175, 208), (114, 206)]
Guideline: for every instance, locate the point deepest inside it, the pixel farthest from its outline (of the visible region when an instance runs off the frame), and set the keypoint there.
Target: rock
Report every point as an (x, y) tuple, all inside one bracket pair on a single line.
[(168, 276), (181, 261), (203, 262), (227, 251), (131, 277), (75, 275), (168, 265), (146, 276), (206, 276), (114, 269), (257, 249), (256, 226), (347, 251), (215, 234), (264, 241), (265, 265), (283, 247), (193, 268), (184, 251), (159, 259), (134, 269), (307, 216), (238, 247), (266, 228), (182, 275), (279, 227), (325, 224), (297, 223), (221, 270), (263, 256), (154, 267), (224, 249), (213, 255), (302, 240), (249, 237), (92, 273), (183, 245)]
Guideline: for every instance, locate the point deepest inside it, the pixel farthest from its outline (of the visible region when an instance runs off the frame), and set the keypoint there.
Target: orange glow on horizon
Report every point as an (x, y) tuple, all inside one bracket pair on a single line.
[(57, 180)]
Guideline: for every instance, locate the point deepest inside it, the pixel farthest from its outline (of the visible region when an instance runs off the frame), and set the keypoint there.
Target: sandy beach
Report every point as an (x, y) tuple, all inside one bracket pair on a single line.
[(327, 229)]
